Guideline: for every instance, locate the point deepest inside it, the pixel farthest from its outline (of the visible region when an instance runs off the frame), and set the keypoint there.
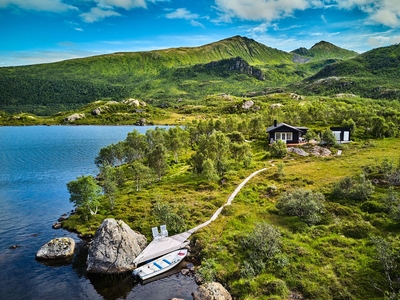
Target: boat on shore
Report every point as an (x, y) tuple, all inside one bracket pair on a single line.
[(160, 265)]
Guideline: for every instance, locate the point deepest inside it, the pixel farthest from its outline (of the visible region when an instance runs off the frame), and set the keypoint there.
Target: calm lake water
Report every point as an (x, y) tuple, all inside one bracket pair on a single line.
[(36, 163)]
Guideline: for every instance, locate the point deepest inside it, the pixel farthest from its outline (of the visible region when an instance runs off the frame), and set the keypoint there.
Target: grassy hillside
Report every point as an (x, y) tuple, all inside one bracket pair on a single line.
[(324, 50), (159, 76), (374, 74), (332, 259), (147, 75)]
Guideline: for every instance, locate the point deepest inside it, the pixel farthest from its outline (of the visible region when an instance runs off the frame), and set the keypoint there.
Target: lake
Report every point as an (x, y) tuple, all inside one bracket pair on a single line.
[(36, 163)]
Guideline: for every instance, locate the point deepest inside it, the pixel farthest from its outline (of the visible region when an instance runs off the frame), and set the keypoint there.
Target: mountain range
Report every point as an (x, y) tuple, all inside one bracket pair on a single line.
[(237, 66)]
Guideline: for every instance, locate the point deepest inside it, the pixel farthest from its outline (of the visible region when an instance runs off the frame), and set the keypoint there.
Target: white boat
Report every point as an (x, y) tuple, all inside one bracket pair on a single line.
[(160, 265)]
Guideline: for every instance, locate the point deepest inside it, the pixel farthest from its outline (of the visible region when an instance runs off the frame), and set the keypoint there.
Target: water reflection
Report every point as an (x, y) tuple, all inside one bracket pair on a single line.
[(113, 286)]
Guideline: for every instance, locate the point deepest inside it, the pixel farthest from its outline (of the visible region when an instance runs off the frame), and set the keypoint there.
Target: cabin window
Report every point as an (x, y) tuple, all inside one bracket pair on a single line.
[(337, 135), (284, 136)]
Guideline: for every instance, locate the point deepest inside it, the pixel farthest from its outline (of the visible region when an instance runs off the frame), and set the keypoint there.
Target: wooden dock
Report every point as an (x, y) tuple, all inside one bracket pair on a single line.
[(163, 245)]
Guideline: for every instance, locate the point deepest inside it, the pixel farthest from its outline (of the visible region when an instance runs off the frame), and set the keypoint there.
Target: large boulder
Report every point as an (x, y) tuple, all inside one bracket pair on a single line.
[(320, 151), (58, 248), (114, 247), (298, 151), (247, 104), (74, 117), (97, 111), (211, 291)]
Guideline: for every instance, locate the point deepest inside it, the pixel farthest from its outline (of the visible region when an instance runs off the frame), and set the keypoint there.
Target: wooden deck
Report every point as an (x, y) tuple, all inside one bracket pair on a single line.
[(163, 245)]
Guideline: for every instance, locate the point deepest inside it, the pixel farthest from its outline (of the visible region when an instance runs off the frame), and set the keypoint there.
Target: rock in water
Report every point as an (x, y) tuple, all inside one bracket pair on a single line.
[(58, 248), (211, 291), (114, 248)]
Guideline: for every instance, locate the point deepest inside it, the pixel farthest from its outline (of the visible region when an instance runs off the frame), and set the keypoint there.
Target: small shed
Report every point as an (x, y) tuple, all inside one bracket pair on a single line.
[(287, 133), (342, 134)]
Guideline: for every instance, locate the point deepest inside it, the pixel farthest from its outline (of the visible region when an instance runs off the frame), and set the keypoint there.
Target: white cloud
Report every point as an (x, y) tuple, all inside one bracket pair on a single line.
[(258, 10), (182, 13), (126, 4), (97, 14), (196, 23), (106, 8), (380, 41), (20, 58), (386, 17), (260, 29), (39, 5), (385, 12), (324, 19)]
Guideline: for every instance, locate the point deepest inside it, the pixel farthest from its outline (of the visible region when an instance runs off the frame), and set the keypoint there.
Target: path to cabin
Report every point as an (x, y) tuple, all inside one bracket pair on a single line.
[(163, 245)]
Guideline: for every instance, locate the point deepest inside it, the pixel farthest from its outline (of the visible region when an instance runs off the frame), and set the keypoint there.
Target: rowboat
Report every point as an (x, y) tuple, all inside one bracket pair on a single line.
[(160, 265)]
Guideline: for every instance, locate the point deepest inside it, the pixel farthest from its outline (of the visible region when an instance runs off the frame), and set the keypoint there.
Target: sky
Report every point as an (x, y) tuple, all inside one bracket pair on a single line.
[(42, 31)]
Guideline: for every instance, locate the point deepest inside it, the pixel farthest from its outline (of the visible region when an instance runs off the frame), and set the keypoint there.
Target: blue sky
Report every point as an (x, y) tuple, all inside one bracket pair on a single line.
[(40, 31)]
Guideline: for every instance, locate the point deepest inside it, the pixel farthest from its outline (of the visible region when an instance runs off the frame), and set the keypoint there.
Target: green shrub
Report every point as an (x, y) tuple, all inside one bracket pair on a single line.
[(261, 246), (275, 287), (356, 188), (207, 270), (278, 149), (302, 203), (358, 230), (372, 207)]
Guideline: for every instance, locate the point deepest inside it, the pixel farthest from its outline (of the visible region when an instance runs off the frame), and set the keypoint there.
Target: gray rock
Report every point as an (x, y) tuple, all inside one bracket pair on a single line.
[(185, 272), (97, 111), (298, 151), (211, 291), (320, 151), (57, 225), (114, 247), (141, 122), (74, 117), (58, 248), (134, 102), (248, 104)]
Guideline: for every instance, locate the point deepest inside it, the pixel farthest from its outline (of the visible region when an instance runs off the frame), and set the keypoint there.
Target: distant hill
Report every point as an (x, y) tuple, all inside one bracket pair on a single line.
[(236, 65), (374, 74), (324, 50)]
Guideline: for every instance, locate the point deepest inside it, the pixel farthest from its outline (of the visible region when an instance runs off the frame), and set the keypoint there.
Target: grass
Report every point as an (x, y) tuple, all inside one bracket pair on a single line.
[(331, 260)]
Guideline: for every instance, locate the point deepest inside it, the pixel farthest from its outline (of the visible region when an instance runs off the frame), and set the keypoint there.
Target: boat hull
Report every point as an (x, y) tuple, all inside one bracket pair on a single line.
[(160, 265)]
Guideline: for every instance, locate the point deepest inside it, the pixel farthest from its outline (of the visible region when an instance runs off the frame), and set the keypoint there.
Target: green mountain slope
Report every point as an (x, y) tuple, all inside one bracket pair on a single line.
[(374, 74), (236, 65), (63, 85), (324, 50)]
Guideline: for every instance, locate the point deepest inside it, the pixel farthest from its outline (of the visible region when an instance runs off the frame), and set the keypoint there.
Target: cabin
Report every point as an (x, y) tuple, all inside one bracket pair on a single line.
[(287, 133), (342, 134)]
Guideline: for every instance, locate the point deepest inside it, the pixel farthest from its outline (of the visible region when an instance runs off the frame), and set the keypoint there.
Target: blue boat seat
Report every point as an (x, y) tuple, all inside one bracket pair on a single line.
[(157, 265)]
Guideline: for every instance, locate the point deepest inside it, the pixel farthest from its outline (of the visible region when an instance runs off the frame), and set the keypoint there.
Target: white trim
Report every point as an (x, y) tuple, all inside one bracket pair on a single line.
[(284, 136)]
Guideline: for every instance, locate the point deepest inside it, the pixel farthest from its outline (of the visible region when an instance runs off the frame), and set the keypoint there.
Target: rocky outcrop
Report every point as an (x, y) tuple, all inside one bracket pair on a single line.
[(295, 96), (311, 149), (133, 102), (97, 111), (247, 104), (58, 248), (236, 64), (297, 151), (320, 151), (114, 247), (74, 117), (141, 122), (211, 291)]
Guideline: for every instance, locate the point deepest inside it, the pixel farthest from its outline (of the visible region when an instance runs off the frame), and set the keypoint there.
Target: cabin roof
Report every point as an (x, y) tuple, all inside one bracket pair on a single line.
[(280, 125)]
